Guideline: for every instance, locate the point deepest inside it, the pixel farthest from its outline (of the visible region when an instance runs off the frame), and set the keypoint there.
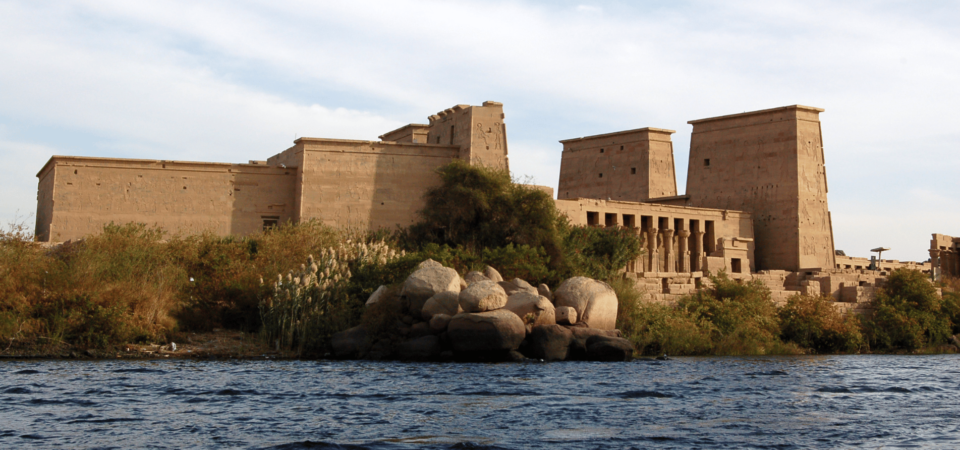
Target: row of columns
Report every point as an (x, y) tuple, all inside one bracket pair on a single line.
[(684, 260), (947, 261)]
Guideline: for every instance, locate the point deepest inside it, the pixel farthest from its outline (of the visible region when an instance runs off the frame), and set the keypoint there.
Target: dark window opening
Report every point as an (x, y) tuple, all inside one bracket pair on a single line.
[(270, 222), (706, 162), (621, 147), (735, 265), (453, 131), (74, 172), (593, 218), (633, 171), (438, 139), (610, 219), (629, 221), (601, 175), (601, 150)]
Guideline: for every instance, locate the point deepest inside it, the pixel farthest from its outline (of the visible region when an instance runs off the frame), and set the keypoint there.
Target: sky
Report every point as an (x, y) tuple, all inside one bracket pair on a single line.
[(232, 81)]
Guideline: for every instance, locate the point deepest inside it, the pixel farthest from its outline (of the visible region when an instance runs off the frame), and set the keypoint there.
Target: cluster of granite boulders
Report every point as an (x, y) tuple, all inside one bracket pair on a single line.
[(481, 317)]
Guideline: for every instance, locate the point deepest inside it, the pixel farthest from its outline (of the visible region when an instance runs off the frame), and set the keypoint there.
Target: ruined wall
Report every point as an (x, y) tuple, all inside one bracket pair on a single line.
[(768, 163), (634, 165), (945, 255), (87, 193), (366, 184), (478, 131)]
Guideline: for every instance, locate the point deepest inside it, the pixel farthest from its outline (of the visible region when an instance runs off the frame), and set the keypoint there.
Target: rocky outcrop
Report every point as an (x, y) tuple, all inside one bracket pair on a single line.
[(439, 322), (566, 315), (376, 296), (594, 301), (473, 277), (517, 285), (428, 280), (447, 302), (544, 291), (425, 348), (482, 296), (539, 309), (578, 348), (608, 348), (351, 343), (485, 332), (492, 274), (548, 342)]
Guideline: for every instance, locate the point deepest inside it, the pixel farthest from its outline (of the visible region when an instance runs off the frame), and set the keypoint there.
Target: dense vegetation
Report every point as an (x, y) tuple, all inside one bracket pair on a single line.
[(297, 284)]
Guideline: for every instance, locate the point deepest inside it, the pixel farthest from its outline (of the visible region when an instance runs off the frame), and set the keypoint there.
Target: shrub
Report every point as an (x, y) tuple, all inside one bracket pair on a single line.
[(598, 252), (908, 314), (655, 329), (813, 323)]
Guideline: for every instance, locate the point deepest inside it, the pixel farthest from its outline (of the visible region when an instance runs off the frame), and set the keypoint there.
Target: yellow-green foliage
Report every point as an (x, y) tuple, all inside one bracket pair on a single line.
[(303, 308), (813, 323), (727, 318), (112, 287), (908, 315)]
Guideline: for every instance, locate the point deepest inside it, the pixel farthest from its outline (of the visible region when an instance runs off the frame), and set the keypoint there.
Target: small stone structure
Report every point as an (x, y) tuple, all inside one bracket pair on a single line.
[(945, 256)]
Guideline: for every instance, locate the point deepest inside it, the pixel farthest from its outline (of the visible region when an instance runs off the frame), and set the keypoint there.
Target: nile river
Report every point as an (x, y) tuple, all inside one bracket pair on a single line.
[(795, 402)]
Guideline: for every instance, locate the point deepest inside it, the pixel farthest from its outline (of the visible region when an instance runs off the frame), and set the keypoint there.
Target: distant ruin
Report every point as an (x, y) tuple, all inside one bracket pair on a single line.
[(755, 204)]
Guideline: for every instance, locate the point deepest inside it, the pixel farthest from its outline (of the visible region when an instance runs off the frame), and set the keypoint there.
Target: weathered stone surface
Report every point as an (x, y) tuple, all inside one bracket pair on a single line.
[(429, 280), (420, 329), (578, 348), (376, 295), (607, 348), (566, 315), (473, 277), (524, 303), (544, 290), (492, 274), (424, 348), (447, 302), (517, 285), (351, 343), (548, 342), (595, 301), (489, 331), (439, 322), (482, 296), (428, 263)]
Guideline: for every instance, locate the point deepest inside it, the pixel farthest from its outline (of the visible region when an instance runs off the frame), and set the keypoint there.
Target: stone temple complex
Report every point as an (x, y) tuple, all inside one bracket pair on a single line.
[(755, 204)]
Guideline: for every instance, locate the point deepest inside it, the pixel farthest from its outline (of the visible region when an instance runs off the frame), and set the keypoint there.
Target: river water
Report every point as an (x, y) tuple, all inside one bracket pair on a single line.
[(762, 402)]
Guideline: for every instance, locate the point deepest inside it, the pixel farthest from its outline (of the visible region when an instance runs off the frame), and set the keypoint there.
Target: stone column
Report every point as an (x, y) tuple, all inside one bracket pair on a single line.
[(935, 270), (698, 251), (684, 251), (638, 263), (669, 262), (653, 260)]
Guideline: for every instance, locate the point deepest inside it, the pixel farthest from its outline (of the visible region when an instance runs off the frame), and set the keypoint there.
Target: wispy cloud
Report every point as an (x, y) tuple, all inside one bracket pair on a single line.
[(233, 81)]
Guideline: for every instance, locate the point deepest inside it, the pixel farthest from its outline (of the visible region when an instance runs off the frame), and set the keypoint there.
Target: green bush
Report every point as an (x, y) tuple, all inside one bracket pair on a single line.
[(598, 252), (813, 323), (908, 314)]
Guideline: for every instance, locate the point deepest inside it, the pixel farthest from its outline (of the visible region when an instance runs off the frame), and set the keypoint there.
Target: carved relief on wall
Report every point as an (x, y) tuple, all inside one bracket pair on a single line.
[(491, 136)]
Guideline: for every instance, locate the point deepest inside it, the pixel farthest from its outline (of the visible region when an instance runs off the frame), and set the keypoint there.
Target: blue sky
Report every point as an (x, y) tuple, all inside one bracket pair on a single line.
[(235, 80)]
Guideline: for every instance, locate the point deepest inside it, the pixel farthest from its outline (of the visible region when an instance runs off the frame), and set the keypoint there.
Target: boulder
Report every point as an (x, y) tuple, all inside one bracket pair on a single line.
[(351, 343), (578, 348), (524, 303), (548, 342), (420, 329), (428, 280), (473, 277), (517, 285), (482, 296), (594, 301), (447, 302), (376, 296), (566, 315), (608, 348), (492, 274), (439, 322), (463, 284), (544, 290), (421, 349), (486, 332)]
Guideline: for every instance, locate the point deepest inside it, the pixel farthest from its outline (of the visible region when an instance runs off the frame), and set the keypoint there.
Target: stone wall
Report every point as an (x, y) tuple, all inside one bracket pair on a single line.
[(768, 163), (633, 165), (945, 255), (78, 195)]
